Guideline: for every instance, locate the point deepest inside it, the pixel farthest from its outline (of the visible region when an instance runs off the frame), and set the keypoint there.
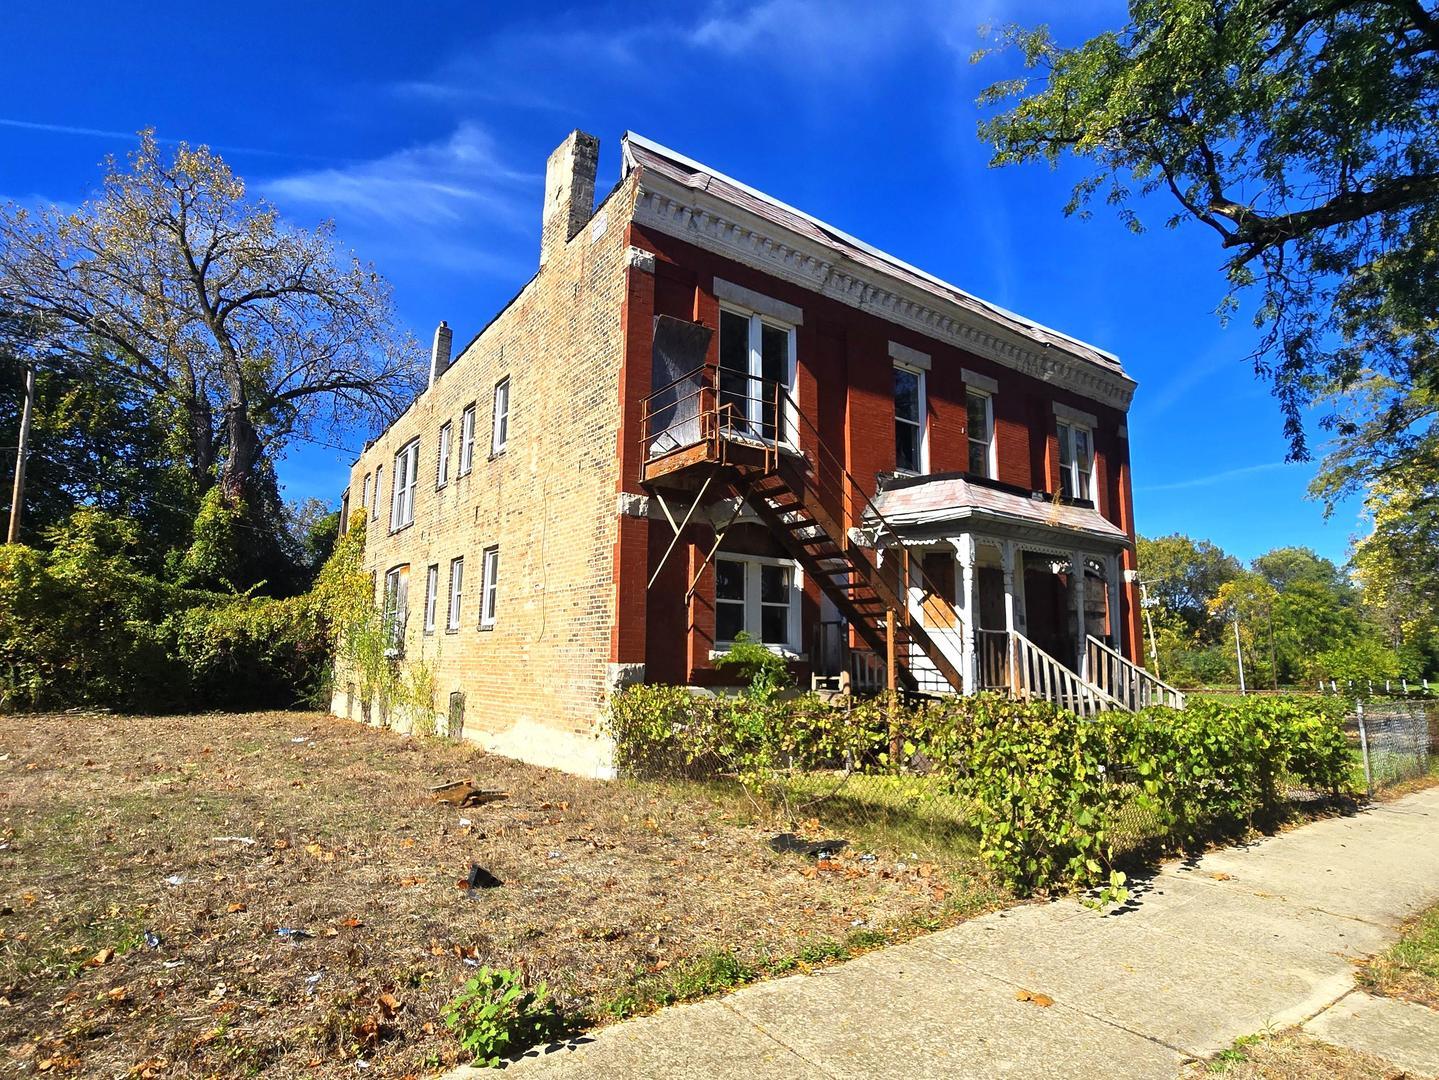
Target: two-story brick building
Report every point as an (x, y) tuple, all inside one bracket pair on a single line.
[(709, 413)]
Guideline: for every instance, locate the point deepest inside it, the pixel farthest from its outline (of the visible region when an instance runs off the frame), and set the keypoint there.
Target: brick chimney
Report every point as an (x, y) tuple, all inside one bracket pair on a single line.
[(569, 191), (440, 351)]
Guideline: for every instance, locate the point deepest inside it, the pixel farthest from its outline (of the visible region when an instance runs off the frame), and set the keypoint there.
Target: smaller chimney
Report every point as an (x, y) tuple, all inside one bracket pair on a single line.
[(569, 191), (440, 353)]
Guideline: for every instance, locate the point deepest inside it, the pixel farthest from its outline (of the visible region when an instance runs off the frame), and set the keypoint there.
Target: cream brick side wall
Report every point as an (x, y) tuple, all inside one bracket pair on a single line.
[(535, 683)]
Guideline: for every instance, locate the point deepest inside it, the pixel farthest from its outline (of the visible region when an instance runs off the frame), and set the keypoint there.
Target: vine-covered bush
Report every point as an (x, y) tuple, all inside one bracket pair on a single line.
[(1046, 788), (85, 623)]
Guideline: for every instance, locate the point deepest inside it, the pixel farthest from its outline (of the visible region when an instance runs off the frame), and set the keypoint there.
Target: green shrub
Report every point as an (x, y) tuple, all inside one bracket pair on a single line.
[(496, 1017), (1046, 788)]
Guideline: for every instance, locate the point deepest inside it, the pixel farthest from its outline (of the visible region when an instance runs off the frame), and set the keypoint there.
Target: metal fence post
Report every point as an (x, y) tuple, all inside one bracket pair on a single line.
[(1364, 749)]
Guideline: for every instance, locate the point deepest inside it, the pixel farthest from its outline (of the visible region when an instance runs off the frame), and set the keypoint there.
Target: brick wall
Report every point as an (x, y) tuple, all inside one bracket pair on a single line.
[(844, 384), (534, 683)]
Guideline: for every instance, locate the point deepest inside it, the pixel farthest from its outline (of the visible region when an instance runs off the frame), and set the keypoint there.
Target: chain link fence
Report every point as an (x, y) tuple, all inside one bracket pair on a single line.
[(1398, 741)]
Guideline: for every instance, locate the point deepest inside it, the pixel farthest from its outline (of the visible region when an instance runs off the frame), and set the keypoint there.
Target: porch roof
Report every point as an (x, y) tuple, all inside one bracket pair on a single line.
[(933, 504)]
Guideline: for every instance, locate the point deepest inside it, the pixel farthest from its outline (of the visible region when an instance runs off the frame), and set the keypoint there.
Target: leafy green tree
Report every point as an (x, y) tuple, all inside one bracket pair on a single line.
[(1184, 575), (1398, 572), (94, 442), (242, 331), (1303, 134)]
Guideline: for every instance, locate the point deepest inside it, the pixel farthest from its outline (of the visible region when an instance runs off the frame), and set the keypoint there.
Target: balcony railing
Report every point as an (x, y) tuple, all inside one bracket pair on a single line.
[(712, 405)]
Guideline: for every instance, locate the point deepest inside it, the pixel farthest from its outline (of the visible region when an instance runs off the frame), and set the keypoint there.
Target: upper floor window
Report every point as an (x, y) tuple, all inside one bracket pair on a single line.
[(500, 425), (432, 589), (407, 470), (909, 415), (442, 470), (979, 408), (457, 586), (756, 359), (759, 597), (365, 491), (467, 439), (1076, 460), (375, 505), (489, 587)]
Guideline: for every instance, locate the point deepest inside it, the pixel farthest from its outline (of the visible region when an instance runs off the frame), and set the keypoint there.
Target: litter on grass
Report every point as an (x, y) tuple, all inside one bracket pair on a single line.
[(466, 793), (787, 843), (480, 878), (292, 933)]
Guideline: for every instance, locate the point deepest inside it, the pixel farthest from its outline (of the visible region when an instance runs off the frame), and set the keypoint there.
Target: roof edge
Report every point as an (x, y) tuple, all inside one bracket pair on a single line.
[(894, 260)]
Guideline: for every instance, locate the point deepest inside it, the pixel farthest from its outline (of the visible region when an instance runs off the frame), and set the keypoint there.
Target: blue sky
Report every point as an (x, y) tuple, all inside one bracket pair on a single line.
[(422, 130)]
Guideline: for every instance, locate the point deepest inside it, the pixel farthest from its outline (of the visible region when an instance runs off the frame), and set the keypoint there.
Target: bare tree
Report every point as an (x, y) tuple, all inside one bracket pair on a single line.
[(249, 329)]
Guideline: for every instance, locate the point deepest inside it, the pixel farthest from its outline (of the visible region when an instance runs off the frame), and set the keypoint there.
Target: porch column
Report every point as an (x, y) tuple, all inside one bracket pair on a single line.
[(1076, 586), (1006, 555), (1111, 581), (964, 604)]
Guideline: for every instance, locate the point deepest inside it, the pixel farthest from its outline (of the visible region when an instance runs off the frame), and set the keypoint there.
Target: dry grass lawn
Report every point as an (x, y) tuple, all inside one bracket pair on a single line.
[(149, 867), (1410, 967), (1291, 1055)]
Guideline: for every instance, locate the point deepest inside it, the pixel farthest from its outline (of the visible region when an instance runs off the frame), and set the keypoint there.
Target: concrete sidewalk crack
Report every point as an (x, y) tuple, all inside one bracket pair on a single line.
[(772, 1037)]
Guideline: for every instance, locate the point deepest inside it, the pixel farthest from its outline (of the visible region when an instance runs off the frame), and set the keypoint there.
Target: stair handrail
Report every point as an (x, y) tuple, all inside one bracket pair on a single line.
[(1058, 681), (1169, 695)]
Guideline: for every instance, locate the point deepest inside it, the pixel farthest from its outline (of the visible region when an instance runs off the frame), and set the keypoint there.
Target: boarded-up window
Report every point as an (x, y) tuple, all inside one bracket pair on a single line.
[(938, 587), (677, 381)]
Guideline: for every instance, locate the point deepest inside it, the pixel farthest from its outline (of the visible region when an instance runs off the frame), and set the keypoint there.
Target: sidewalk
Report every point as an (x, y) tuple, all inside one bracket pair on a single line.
[(1240, 941)]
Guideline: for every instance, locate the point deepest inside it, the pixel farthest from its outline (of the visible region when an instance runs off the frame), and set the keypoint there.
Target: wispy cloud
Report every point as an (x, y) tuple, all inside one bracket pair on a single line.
[(454, 203), (133, 136), (814, 41), (1222, 477)]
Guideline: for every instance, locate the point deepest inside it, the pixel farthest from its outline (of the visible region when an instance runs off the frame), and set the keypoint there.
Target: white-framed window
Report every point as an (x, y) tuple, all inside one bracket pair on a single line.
[(365, 491), (432, 599), (757, 362), (467, 440), (407, 475), (442, 469), (500, 418), (396, 608), (489, 586), (911, 445), (760, 596), (457, 590), (979, 419), (1076, 460), (375, 504)]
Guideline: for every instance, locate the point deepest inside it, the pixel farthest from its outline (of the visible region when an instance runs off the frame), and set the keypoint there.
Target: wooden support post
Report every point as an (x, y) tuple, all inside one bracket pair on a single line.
[(892, 694), (891, 658)]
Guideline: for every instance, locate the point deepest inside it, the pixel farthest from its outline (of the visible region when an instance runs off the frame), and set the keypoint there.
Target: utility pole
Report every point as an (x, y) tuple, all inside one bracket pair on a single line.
[(1239, 655), (18, 497)]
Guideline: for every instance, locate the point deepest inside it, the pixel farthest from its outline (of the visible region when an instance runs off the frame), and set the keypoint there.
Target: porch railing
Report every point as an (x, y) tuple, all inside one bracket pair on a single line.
[(1039, 675), (1126, 681)]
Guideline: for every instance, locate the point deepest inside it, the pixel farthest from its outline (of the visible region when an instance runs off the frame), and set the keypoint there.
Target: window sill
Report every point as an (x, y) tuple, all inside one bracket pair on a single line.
[(778, 650), (402, 528), (484, 627), (498, 453), (441, 487), (452, 629)]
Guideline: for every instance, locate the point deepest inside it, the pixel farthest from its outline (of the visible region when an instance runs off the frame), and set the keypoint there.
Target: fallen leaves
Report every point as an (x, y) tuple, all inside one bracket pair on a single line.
[(1044, 1001)]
